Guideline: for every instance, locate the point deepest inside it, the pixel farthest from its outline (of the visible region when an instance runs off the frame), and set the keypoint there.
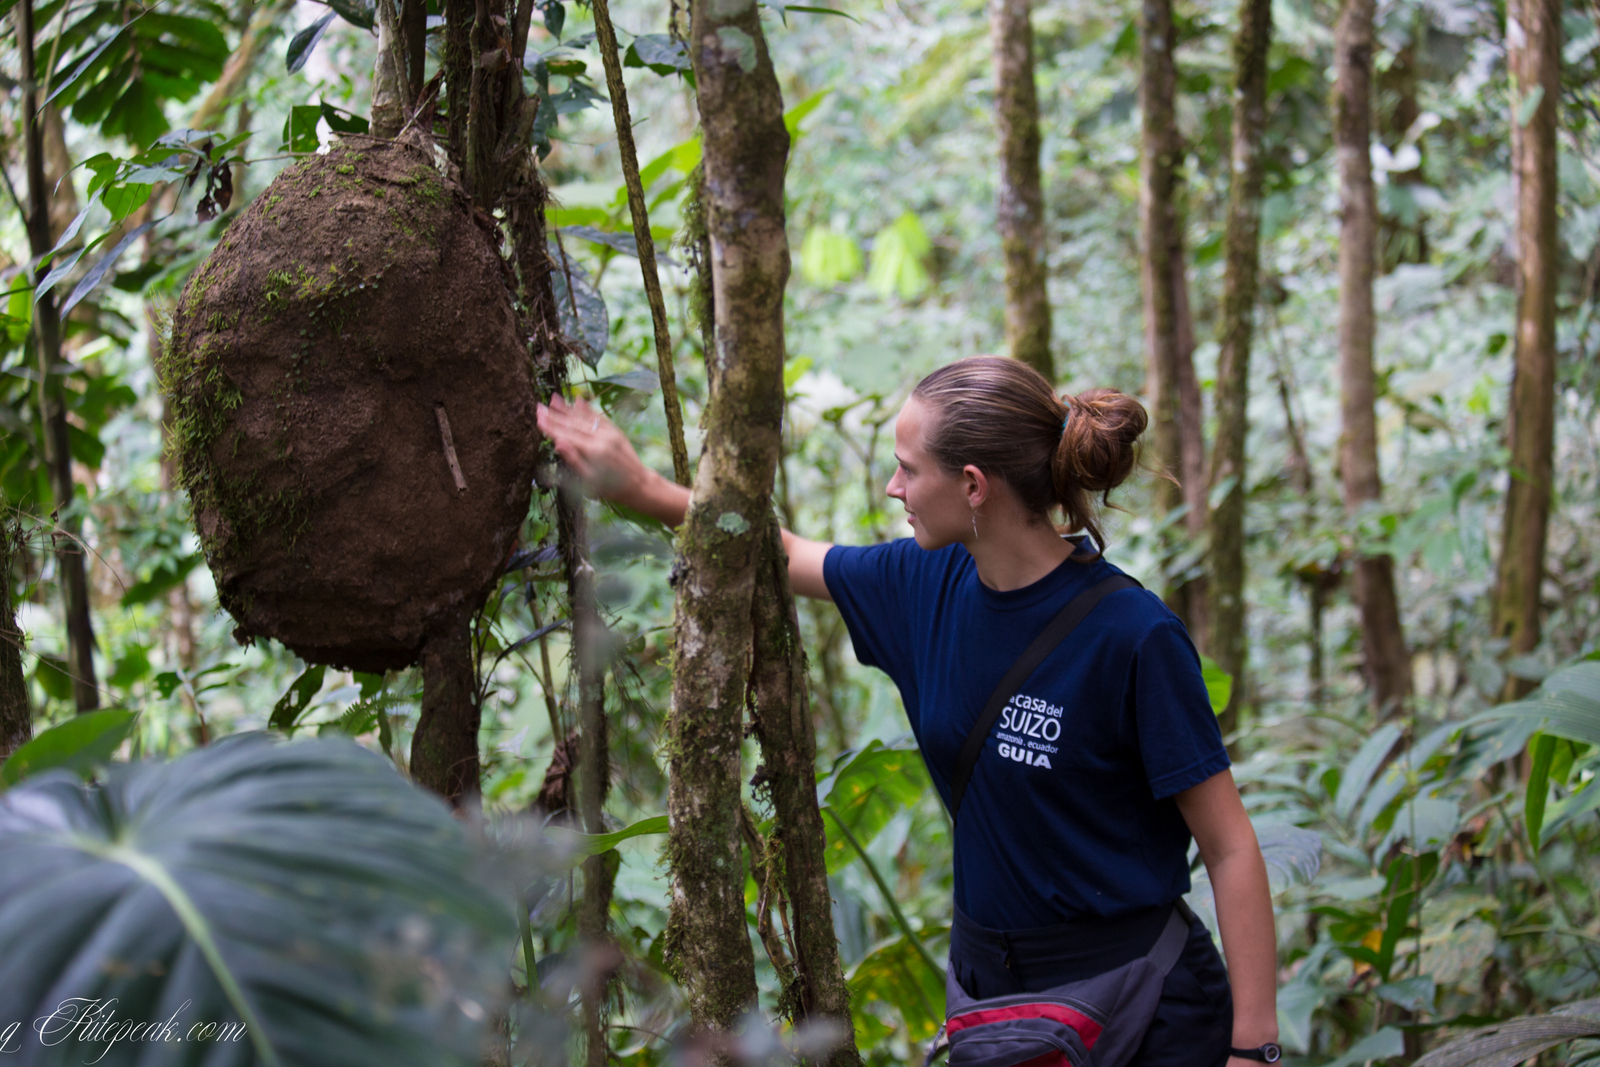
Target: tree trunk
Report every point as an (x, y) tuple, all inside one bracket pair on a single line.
[(1169, 336), (1388, 668), (782, 710), (16, 715), (52, 402), (722, 538), (389, 73), (1021, 196), (444, 749), (1533, 38), (593, 767), (1242, 245)]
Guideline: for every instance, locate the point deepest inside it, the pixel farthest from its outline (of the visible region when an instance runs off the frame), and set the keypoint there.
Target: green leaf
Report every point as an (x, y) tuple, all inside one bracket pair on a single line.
[(1412, 994), (123, 200), (97, 272), (867, 789), (829, 258), (80, 744), (823, 11), (659, 52), (302, 43), (1542, 749), (1363, 765), (287, 711), (167, 576), (78, 71), (1219, 684), (54, 677), (1385, 1044), (893, 974), (132, 665), (897, 258), (362, 13), (1515, 1041), (555, 17), (797, 114), (341, 121), (302, 889), (300, 129), (579, 845), (582, 311)]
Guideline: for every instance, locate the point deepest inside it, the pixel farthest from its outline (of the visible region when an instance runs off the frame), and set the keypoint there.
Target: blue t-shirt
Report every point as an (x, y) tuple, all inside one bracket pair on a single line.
[(1069, 812)]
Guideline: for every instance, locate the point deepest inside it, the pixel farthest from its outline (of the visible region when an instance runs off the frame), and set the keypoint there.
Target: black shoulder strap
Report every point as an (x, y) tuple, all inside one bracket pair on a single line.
[(1077, 609)]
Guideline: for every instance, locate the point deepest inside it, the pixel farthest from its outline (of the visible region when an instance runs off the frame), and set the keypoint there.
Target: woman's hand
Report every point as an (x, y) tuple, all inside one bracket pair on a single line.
[(592, 446)]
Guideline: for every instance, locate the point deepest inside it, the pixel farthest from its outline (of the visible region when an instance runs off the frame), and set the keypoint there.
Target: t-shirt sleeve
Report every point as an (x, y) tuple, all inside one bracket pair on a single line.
[(871, 584), (1179, 739)]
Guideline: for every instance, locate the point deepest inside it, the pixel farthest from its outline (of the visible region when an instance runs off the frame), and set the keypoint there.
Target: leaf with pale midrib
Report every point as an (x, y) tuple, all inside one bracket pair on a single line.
[(303, 886)]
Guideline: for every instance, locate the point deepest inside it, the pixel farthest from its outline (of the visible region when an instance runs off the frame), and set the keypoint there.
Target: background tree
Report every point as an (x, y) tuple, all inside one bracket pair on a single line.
[(1020, 204), (1533, 38), (1236, 331), (1176, 435), (1388, 666)]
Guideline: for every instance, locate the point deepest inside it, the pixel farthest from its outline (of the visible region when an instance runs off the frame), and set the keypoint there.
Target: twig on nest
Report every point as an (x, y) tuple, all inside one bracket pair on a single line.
[(450, 449)]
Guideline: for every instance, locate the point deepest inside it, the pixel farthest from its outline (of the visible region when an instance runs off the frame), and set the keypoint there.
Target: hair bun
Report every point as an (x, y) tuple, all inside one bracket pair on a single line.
[(1100, 430)]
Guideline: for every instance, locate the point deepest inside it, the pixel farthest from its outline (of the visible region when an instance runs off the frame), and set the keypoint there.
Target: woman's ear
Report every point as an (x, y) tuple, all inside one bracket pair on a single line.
[(976, 486)]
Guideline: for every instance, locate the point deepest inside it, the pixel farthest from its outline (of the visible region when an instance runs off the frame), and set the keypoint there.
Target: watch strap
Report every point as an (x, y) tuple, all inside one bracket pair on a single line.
[(1270, 1052)]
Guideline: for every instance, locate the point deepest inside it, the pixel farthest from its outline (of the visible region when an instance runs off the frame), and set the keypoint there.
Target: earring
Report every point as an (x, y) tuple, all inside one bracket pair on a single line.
[(974, 524)]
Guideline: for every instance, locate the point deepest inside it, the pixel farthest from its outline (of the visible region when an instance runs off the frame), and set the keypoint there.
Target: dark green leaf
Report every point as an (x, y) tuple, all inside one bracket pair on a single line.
[(584, 319), (303, 889), (80, 744), (301, 44), (567, 68), (362, 13), (1542, 748), (98, 271), (88, 60), (340, 121), (555, 17), (286, 712), (867, 789), (53, 677), (659, 52), (300, 130), (163, 578), (824, 11)]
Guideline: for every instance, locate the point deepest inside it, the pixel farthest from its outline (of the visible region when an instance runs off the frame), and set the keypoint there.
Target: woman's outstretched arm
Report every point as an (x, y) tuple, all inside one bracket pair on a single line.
[(605, 459)]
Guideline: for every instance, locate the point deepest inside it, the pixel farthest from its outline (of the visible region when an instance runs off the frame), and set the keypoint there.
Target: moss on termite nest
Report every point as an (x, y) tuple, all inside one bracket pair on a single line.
[(305, 365)]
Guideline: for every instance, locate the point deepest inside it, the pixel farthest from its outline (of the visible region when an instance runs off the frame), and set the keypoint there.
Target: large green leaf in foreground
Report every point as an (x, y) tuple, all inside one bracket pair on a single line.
[(302, 889)]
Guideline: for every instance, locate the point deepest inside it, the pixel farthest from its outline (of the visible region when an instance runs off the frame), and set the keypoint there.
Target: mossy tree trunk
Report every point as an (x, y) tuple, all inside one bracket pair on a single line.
[(781, 705), (1169, 335), (1533, 35), (724, 534), (1242, 248), (16, 715), (52, 402), (1021, 195), (1388, 668)]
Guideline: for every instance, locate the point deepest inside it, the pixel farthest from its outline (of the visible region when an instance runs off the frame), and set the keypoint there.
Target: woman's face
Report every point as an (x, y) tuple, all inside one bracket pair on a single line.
[(936, 500)]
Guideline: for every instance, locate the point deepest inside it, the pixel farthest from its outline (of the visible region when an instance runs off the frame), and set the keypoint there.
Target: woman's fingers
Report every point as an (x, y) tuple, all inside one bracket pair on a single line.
[(589, 443)]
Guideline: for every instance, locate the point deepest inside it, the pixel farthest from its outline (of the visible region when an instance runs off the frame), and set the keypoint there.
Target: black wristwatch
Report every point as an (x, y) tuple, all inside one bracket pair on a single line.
[(1268, 1053)]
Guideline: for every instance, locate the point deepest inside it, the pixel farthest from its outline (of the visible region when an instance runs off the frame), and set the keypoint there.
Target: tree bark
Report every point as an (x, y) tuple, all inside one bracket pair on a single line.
[(781, 706), (52, 401), (722, 538), (593, 767), (16, 714), (1242, 247), (1169, 336), (1021, 195), (444, 749), (389, 73), (1533, 38), (1388, 669)]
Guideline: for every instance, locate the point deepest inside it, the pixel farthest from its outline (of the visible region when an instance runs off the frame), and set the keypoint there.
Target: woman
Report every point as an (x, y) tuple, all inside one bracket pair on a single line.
[(1068, 860)]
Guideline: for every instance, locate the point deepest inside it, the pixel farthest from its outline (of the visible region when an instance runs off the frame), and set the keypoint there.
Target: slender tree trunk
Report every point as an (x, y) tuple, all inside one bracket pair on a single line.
[(1242, 245), (1021, 199), (723, 536), (784, 724), (1533, 38), (389, 73), (644, 243), (589, 639), (52, 401), (16, 714), (444, 749), (1169, 336), (1388, 667)]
